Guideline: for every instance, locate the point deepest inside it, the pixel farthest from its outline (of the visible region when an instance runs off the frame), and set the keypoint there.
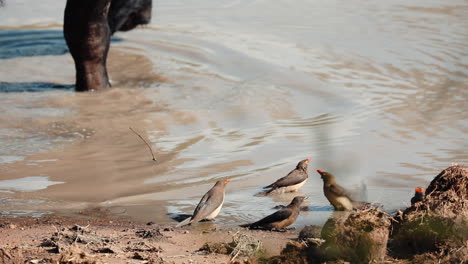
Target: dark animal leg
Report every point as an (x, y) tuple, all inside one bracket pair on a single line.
[(87, 34)]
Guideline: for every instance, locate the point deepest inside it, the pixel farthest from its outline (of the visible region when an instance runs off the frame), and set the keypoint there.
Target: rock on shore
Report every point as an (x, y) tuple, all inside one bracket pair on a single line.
[(438, 225)]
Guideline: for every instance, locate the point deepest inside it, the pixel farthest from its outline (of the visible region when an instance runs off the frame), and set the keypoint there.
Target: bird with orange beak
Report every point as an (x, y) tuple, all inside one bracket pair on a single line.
[(292, 182), (338, 196), (418, 195), (210, 204)]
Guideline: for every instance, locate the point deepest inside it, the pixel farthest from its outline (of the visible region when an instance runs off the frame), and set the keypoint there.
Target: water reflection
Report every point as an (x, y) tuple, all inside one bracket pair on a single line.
[(28, 184), (26, 43), (33, 87), (19, 213)]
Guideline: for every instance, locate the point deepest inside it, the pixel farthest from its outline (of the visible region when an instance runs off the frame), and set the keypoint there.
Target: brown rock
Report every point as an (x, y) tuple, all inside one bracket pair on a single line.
[(218, 248), (438, 221), (293, 253), (310, 231), (75, 255), (359, 238)]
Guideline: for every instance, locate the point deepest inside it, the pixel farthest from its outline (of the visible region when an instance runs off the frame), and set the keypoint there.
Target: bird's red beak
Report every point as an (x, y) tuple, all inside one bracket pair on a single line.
[(320, 172), (308, 160), (419, 189), (226, 181)]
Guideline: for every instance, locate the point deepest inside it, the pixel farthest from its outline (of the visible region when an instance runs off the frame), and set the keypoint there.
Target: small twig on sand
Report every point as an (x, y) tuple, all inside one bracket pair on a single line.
[(151, 150)]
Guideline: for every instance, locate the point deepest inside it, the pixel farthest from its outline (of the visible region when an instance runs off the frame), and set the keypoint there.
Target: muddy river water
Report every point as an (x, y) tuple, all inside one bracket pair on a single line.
[(374, 92)]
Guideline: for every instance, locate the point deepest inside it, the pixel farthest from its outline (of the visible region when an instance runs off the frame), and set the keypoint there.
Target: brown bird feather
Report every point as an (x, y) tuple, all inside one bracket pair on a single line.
[(339, 197), (281, 218)]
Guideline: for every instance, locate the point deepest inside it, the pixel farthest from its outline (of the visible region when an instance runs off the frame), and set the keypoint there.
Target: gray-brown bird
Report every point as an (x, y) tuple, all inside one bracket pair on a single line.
[(418, 195), (281, 218), (291, 182), (210, 204), (338, 196)]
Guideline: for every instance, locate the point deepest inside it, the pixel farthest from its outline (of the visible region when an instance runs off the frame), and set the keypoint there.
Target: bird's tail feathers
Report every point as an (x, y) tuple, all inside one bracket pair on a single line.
[(185, 222), (245, 225), (264, 193)]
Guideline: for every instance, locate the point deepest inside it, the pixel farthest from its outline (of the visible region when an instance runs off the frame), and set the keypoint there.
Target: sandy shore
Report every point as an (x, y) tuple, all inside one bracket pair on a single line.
[(364, 236), (54, 239)]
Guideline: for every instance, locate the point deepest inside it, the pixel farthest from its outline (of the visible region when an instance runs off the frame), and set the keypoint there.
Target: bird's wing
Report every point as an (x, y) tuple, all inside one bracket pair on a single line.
[(294, 177), (201, 204), (209, 202), (275, 217), (339, 191)]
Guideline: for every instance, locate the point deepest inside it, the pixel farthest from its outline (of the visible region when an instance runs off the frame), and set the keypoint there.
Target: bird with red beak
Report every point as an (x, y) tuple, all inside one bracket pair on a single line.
[(210, 204), (418, 195)]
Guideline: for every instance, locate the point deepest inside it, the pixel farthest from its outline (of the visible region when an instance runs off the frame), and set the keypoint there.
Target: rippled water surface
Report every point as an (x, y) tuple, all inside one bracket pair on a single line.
[(374, 91)]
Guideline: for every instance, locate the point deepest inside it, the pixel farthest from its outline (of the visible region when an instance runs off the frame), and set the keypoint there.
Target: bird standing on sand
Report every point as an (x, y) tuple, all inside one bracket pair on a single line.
[(338, 196), (418, 195), (291, 182), (210, 204), (281, 218)]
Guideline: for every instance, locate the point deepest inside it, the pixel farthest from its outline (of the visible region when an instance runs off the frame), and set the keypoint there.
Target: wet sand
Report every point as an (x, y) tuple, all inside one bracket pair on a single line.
[(47, 240), (109, 160)]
